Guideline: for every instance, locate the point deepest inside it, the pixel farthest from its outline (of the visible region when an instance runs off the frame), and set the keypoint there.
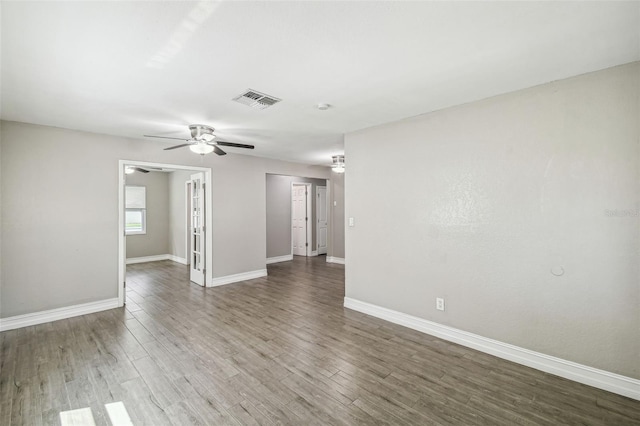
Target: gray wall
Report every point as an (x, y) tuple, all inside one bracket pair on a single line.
[(178, 212), (278, 192), (336, 218), (60, 214), (488, 202), (156, 240)]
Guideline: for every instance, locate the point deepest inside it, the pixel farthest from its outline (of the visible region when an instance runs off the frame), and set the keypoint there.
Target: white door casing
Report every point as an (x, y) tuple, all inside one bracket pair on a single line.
[(322, 219), (123, 293), (197, 244), (299, 220), (187, 227)]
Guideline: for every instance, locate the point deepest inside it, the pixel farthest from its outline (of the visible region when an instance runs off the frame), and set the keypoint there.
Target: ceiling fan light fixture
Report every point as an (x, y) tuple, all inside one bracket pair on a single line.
[(201, 148), (338, 163), (207, 137)]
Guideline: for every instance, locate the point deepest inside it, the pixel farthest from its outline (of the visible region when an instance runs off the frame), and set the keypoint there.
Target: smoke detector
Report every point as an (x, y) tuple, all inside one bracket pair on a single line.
[(256, 99)]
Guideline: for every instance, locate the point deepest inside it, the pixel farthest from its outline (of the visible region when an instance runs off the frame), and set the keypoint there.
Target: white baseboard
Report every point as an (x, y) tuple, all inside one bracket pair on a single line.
[(331, 259), (177, 259), (145, 259), (228, 279), (42, 317), (314, 253), (277, 259), (601, 379), (156, 258)]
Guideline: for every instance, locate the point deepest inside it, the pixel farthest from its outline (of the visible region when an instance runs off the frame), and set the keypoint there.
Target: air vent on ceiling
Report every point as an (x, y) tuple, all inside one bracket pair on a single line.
[(256, 99)]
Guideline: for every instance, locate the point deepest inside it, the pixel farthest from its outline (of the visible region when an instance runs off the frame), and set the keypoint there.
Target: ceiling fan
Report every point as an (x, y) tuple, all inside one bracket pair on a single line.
[(202, 141), (132, 169)]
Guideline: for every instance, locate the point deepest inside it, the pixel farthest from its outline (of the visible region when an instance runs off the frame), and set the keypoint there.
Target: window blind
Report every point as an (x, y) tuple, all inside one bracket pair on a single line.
[(135, 197)]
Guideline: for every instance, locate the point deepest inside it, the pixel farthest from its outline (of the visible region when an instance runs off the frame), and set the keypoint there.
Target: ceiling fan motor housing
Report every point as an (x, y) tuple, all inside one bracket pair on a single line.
[(199, 130)]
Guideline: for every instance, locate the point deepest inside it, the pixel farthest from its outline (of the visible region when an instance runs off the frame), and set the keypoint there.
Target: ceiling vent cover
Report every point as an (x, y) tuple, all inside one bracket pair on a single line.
[(255, 99)]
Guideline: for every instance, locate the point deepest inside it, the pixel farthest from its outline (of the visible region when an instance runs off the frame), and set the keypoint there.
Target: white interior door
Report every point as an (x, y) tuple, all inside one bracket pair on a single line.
[(299, 220), (321, 214), (197, 239)]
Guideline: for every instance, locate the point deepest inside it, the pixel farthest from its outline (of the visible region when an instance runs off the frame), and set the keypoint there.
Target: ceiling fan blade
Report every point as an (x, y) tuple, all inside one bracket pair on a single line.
[(178, 146), (165, 137), (234, 145), (140, 169), (218, 150)]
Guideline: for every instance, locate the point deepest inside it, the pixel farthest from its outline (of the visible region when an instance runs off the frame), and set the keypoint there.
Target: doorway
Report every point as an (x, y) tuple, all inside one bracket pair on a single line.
[(279, 214), (203, 241)]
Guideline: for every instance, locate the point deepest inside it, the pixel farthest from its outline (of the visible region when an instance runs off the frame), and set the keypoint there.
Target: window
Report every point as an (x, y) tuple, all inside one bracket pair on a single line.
[(135, 217)]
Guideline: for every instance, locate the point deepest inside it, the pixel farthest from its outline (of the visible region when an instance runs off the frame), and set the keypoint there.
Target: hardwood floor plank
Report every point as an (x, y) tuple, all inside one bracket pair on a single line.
[(52, 389), (247, 414), (141, 405), (163, 392), (226, 393), (181, 413), (380, 405), (203, 403), (256, 391), (319, 379), (278, 414), (8, 360), (314, 400)]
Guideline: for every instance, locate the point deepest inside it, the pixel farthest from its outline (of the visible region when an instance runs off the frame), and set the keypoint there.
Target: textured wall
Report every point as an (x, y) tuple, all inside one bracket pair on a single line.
[(520, 210)]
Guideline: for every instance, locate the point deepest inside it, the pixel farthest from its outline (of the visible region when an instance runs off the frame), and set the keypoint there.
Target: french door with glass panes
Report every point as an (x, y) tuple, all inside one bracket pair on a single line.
[(196, 233)]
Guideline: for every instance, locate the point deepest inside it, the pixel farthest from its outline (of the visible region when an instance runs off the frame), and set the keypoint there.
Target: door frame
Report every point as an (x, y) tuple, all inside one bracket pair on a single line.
[(309, 217), (187, 220), (121, 231)]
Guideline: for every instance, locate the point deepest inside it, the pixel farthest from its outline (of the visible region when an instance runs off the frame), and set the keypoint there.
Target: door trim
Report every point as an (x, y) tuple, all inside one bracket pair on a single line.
[(121, 237), (187, 221)]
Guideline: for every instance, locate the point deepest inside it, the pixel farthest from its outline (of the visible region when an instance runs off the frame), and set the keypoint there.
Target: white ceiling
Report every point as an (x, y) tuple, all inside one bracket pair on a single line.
[(134, 68)]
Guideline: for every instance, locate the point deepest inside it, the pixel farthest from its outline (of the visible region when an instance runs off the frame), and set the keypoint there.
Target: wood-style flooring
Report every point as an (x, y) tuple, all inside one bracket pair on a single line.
[(274, 350)]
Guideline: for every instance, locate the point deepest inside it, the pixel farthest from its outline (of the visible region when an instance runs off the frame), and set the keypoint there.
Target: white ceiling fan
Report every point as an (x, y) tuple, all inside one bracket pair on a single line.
[(203, 141)]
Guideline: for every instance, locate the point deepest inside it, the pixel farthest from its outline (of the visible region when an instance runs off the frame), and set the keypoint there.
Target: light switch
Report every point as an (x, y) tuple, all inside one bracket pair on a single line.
[(335, 203), (351, 222)]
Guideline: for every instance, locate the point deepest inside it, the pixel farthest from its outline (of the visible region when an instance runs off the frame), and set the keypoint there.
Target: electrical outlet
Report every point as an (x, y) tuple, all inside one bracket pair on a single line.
[(440, 303)]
